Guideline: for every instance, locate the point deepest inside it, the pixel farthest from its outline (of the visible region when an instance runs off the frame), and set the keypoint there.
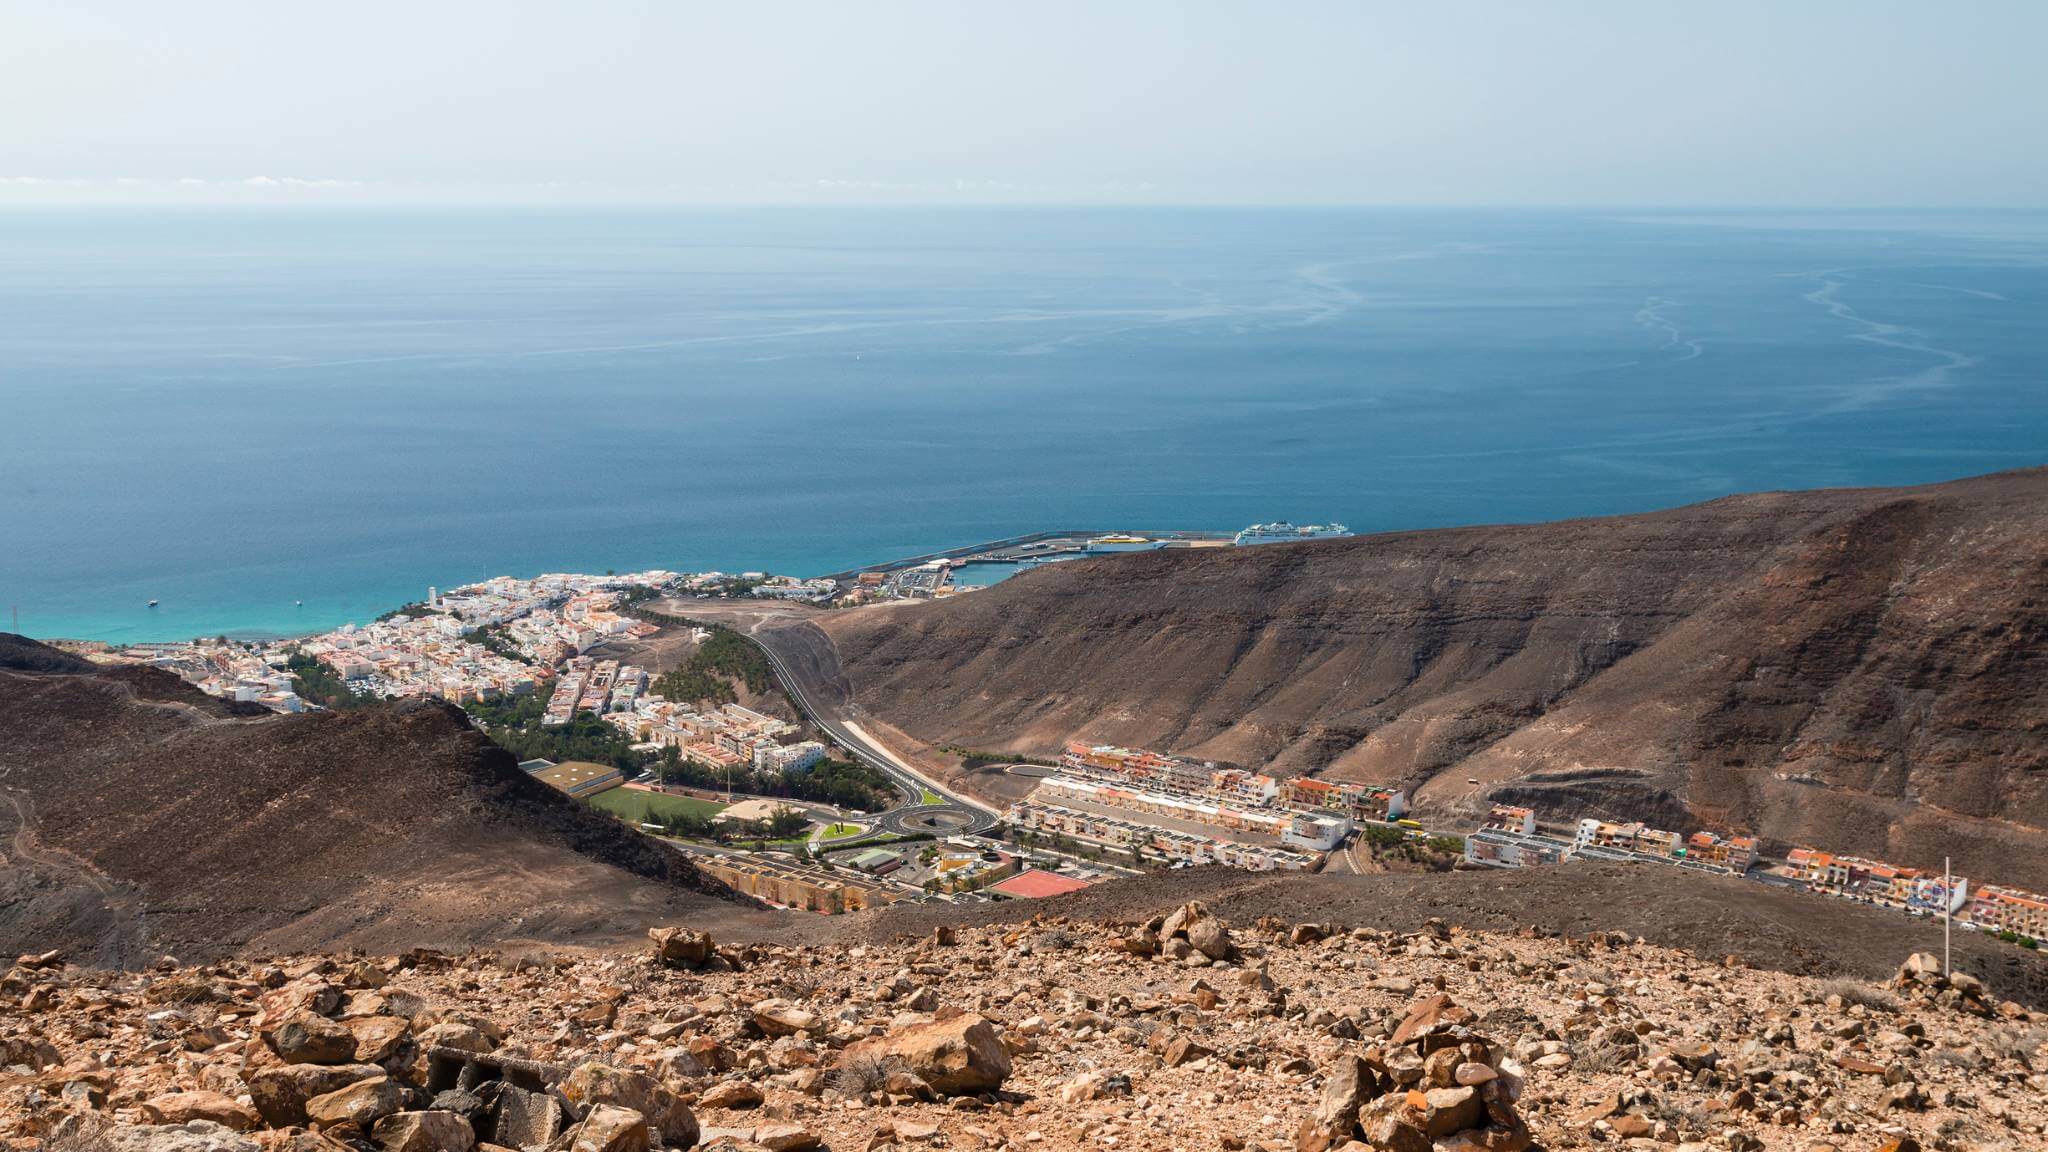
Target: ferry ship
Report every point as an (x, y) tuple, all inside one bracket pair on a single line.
[(1281, 532)]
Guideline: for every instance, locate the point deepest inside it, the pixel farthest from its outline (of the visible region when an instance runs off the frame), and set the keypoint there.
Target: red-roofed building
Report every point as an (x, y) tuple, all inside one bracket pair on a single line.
[(1036, 884)]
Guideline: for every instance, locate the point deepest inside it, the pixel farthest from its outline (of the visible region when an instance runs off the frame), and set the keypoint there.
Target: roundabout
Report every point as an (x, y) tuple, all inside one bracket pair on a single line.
[(935, 820)]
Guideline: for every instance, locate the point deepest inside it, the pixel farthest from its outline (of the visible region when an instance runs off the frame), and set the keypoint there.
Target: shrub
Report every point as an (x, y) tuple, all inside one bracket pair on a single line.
[(1857, 992)]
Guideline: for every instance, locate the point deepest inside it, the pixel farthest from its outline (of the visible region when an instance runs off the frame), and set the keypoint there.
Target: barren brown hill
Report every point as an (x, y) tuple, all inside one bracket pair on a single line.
[(1862, 670), (138, 815)]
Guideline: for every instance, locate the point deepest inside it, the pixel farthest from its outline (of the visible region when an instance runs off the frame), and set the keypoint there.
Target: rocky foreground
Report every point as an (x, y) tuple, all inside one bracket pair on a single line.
[(1182, 1033)]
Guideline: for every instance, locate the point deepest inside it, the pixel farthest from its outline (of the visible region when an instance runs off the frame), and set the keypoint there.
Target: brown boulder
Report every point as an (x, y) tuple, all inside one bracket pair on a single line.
[(732, 1094), (1447, 1110), (681, 947), (782, 1018), (306, 1038), (961, 1055), (362, 1104), (786, 1137), (185, 1107), (593, 1085), (1427, 1014), (424, 1132), (1335, 1119), (611, 1129), (280, 1092), (377, 1038)]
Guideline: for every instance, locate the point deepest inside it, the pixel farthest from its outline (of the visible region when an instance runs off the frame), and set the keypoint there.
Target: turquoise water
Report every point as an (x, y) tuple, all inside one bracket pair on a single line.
[(233, 410), (983, 573)]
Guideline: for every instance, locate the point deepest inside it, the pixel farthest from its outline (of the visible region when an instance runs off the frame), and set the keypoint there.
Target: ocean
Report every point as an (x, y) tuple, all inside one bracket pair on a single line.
[(234, 411)]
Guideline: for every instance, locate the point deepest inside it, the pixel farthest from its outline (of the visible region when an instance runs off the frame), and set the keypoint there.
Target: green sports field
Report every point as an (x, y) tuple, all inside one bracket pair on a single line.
[(640, 807)]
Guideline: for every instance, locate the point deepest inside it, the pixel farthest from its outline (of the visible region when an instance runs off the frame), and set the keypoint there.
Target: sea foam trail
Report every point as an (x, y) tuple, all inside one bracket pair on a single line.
[(1886, 335), (1651, 316)]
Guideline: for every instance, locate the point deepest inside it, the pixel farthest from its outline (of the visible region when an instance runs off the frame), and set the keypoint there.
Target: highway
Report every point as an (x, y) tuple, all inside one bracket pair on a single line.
[(951, 817)]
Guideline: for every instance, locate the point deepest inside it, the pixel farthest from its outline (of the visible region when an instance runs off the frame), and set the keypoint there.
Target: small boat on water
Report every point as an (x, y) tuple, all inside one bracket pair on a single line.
[(152, 603)]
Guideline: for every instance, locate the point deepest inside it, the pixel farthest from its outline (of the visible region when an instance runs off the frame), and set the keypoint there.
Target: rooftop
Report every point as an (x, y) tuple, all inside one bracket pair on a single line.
[(571, 774), (1036, 884)]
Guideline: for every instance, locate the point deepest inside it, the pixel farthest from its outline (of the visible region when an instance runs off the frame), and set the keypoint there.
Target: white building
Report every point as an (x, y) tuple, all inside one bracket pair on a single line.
[(788, 758), (1315, 833)]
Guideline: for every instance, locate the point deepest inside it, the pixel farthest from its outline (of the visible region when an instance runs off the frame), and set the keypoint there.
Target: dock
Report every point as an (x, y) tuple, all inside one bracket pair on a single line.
[(1050, 543)]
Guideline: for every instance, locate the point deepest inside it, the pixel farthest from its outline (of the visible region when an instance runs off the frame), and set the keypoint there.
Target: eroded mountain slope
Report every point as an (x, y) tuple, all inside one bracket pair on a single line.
[(1859, 669), (140, 815)]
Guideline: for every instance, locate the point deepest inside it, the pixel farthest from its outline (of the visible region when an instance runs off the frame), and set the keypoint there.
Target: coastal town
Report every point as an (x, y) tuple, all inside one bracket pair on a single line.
[(555, 644)]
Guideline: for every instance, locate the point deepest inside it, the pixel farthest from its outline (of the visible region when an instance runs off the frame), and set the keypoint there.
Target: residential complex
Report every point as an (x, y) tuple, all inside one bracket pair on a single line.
[(726, 737), (231, 671), (1735, 855), (1177, 775), (1180, 810), (594, 686), (1148, 842), (1510, 838), (1310, 832), (1876, 882), (2000, 909), (796, 886)]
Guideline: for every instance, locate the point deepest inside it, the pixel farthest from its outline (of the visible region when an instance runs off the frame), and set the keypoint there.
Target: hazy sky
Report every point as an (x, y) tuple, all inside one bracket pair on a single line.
[(1713, 102)]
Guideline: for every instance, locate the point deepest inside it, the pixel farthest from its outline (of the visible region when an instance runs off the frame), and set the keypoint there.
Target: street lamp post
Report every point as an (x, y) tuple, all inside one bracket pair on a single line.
[(1948, 901)]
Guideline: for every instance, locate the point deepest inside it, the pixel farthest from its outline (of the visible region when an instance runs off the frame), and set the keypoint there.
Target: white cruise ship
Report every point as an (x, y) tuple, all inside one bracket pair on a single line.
[(1282, 532)]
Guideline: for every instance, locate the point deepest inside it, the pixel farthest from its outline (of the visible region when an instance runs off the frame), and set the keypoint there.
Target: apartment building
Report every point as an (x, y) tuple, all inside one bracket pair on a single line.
[(1243, 787), (1167, 804), (1151, 843), (1511, 820), (791, 886), (1170, 773), (1503, 848), (788, 758), (1315, 833), (1358, 801), (2000, 909), (1735, 853), (1816, 868), (1877, 882)]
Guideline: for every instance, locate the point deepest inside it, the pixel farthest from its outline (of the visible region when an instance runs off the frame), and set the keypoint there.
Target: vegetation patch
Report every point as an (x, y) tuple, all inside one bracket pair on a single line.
[(840, 783), (494, 638), (317, 682), (974, 760), (514, 723), (707, 677)]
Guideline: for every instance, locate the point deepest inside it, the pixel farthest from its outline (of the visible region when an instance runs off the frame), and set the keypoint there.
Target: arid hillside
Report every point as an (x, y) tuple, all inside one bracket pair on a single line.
[(1864, 670), (140, 816), (1190, 1029)]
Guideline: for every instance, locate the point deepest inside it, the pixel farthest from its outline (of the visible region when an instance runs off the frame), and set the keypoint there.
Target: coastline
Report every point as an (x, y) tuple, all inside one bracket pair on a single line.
[(147, 631)]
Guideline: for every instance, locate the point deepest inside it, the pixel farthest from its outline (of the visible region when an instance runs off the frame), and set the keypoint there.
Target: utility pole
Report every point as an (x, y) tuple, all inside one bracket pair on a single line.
[(1948, 901)]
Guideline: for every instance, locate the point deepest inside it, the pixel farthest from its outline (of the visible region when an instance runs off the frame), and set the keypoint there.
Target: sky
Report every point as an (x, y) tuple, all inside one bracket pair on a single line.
[(1631, 102)]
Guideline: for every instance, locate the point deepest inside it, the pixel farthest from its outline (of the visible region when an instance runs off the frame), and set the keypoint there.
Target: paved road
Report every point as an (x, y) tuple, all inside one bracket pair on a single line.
[(951, 817)]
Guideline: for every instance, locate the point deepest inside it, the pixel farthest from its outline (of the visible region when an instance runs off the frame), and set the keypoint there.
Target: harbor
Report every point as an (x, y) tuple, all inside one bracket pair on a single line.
[(937, 574)]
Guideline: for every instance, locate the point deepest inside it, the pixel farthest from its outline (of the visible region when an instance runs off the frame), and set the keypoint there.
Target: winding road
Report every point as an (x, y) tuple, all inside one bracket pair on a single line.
[(952, 816), (768, 624)]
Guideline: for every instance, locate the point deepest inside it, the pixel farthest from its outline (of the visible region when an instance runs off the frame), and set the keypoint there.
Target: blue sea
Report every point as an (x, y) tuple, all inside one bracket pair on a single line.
[(234, 410)]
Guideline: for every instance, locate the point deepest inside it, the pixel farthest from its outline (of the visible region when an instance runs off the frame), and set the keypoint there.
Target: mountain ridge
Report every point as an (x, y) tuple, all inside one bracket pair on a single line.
[(141, 814), (1689, 666)]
